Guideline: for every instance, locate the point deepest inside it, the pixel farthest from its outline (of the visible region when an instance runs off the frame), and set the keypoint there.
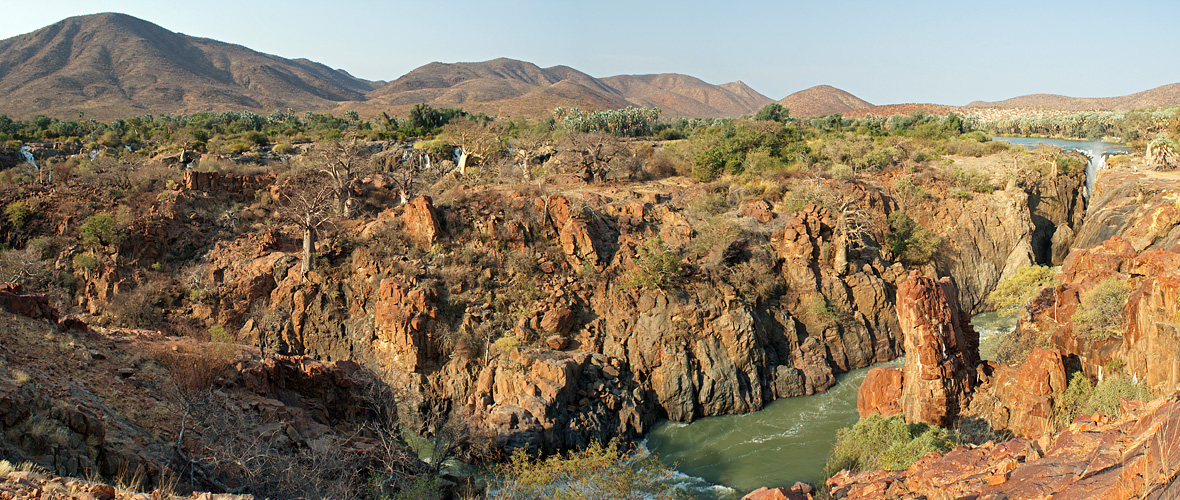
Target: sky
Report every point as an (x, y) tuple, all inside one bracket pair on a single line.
[(946, 52)]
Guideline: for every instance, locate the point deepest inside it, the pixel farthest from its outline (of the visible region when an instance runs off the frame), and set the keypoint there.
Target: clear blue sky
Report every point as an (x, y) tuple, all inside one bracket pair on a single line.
[(947, 52)]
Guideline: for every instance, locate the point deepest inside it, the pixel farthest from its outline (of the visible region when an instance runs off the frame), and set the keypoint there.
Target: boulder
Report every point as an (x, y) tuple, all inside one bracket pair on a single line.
[(422, 222), (880, 392)]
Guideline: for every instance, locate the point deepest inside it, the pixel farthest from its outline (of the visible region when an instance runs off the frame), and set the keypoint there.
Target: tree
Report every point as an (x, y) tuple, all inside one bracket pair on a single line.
[(341, 164), (1099, 316), (307, 202), (402, 166), (774, 112), (595, 153)]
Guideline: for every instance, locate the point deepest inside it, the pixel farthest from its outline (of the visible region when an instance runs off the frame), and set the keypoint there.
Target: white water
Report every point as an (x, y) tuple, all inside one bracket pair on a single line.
[(27, 153), (1096, 151)]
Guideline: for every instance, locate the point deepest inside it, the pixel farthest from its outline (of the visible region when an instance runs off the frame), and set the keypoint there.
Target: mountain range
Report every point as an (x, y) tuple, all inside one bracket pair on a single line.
[(112, 65)]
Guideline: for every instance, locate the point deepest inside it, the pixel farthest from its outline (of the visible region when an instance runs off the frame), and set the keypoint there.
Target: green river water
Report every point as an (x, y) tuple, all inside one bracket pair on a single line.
[(788, 441)]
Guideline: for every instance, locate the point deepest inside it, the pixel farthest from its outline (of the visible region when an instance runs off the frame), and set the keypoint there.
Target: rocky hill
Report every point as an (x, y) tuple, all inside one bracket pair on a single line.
[(822, 100), (1166, 95), (507, 86), (114, 65)]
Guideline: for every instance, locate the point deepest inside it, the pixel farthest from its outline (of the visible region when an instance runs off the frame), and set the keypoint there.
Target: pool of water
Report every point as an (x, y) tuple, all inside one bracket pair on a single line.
[(789, 440)]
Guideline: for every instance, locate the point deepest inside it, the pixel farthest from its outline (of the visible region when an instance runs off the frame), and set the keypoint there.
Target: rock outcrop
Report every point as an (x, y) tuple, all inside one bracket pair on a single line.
[(1132, 457), (421, 220), (880, 392), (1022, 399), (942, 351)]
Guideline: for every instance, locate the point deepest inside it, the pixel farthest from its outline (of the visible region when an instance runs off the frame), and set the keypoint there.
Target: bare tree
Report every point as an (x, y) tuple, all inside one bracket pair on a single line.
[(341, 163), (307, 201), (402, 167), (475, 140), (595, 153)]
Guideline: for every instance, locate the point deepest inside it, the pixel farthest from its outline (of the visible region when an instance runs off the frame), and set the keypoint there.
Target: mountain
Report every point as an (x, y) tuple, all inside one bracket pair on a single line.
[(1167, 95), (508, 86), (822, 100), (110, 65)]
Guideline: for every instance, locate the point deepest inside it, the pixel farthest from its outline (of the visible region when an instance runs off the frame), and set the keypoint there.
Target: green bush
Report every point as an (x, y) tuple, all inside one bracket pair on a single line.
[(1013, 295), (1106, 395), (708, 165), (599, 472), (1099, 316), (913, 243), (656, 268), (1073, 400), (85, 262), (101, 229), (18, 213), (877, 442)]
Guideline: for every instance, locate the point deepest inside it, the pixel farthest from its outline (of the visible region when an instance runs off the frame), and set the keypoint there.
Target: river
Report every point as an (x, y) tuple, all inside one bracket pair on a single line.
[(1097, 151), (788, 441)]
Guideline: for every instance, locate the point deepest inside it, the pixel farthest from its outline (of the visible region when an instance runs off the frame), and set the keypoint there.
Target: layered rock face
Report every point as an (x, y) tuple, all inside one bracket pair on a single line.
[(941, 355), (1132, 457), (1021, 399)]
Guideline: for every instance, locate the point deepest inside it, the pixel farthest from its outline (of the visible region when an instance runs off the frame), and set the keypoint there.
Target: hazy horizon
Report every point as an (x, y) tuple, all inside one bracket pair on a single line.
[(885, 53)]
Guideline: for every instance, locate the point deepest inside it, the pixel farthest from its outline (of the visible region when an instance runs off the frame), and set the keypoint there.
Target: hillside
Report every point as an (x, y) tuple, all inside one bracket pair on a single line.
[(508, 86), (109, 65), (822, 100), (1167, 95)]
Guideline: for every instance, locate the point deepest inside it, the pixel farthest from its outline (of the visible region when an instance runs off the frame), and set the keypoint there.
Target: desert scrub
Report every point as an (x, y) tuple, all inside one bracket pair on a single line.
[(912, 242), (1099, 316), (603, 472), (1012, 296), (18, 213), (1083, 397), (655, 267), (877, 442)]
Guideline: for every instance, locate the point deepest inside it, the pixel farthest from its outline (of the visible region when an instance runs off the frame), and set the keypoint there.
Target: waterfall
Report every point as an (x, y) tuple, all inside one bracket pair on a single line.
[(27, 152)]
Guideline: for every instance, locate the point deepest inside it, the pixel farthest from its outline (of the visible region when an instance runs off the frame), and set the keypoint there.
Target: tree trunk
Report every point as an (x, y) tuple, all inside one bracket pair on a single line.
[(308, 250)]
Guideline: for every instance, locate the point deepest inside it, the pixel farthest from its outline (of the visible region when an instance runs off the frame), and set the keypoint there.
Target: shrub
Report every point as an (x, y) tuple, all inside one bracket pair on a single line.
[(1099, 316), (218, 334), (656, 268), (85, 262), (1013, 295), (597, 472), (100, 229), (913, 243), (18, 213), (1073, 400), (708, 164), (876, 442), (1106, 395)]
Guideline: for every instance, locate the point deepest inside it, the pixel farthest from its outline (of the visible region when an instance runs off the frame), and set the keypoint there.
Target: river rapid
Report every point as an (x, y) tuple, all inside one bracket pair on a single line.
[(1097, 151), (789, 440)]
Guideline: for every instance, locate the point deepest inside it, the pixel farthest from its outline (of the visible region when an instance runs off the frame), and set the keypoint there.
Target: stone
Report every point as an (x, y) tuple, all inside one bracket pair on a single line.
[(559, 319), (557, 342), (880, 392), (421, 221), (941, 349)]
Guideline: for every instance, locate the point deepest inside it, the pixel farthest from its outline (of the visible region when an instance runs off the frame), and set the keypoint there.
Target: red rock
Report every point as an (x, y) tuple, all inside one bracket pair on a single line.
[(421, 220), (558, 319), (880, 392), (778, 494), (557, 342), (942, 350), (759, 209)]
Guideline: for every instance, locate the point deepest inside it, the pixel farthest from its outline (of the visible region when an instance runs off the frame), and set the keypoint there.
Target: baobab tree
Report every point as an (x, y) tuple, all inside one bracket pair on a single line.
[(341, 164), (307, 201)]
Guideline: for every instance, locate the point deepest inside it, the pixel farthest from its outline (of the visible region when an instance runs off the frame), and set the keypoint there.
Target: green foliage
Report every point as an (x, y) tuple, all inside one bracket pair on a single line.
[(100, 229), (18, 213), (656, 267), (774, 112), (1106, 395), (971, 179), (1076, 395), (629, 122), (707, 165), (218, 334), (85, 262), (425, 487), (913, 243), (1013, 295), (876, 442), (598, 472), (1099, 316)]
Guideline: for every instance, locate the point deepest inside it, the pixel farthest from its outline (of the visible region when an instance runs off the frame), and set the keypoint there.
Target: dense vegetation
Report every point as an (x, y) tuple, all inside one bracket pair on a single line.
[(877, 442)]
